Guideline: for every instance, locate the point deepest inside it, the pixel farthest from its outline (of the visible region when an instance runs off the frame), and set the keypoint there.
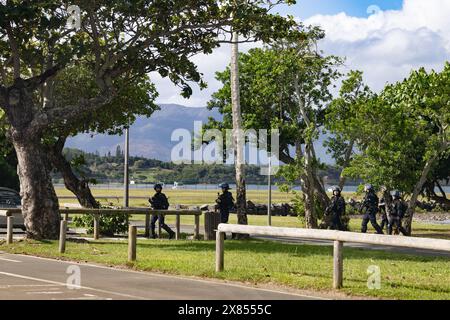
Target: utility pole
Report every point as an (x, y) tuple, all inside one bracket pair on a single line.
[(269, 205), (126, 175)]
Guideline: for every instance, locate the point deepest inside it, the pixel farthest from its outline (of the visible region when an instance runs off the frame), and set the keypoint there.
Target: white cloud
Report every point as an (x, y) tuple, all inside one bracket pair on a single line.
[(387, 45)]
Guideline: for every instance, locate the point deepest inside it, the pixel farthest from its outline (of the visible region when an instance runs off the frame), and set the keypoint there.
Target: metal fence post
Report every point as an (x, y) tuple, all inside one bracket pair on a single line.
[(62, 236), (132, 230), (9, 229), (220, 239), (337, 264)]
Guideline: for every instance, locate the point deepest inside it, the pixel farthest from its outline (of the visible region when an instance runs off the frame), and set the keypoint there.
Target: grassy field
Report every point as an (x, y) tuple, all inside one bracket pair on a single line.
[(180, 196), (260, 262), (199, 197)]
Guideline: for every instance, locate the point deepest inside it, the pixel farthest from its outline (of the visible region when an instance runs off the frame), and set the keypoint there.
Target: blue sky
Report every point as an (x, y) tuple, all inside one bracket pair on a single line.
[(357, 8)]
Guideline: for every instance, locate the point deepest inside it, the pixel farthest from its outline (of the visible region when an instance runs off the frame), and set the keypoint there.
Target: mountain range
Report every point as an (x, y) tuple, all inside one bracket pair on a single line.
[(151, 137)]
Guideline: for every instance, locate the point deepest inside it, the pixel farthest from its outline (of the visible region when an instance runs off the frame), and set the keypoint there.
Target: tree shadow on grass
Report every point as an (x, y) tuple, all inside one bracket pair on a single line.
[(269, 247)]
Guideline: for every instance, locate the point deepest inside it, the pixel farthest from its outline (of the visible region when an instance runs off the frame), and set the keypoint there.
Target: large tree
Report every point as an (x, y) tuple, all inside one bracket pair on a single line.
[(404, 131), (340, 121), (134, 98), (117, 40), (285, 87), (8, 160)]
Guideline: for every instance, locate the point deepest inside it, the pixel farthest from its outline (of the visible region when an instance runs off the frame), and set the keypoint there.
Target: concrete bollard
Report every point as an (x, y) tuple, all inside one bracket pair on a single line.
[(337, 264), (62, 236), (9, 229), (220, 240), (211, 221), (132, 231), (96, 226)]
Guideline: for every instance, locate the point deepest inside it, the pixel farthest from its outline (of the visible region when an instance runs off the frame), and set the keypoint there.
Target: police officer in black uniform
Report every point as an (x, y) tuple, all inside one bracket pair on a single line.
[(397, 213), (370, 208), (159, 202), (337, 209), (384, 213), (225, 202)]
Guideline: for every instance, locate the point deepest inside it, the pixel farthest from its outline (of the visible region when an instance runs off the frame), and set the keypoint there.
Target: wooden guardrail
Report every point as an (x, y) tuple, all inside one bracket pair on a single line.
[(10, 213), (339, 237)]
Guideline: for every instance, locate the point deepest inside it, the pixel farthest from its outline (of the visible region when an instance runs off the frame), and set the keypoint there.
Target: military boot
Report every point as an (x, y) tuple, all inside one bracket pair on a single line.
[(153, 232), (169, 231)]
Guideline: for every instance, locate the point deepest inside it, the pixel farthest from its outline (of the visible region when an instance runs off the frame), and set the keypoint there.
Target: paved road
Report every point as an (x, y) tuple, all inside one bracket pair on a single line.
[(26, 277)]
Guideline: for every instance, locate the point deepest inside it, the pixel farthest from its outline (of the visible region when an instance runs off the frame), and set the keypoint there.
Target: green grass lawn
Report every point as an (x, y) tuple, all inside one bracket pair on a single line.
[(426, 230), (180, 196), (262, 262)]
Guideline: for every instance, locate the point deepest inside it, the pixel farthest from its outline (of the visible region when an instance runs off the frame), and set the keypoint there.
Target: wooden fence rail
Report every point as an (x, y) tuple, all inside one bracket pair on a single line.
[(339, 237)]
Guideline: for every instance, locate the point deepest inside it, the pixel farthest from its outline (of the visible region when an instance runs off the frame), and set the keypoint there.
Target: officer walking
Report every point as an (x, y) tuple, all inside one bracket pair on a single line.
[(384, 214), (397, 213), (337, 209), (225, 203), (370, 208), (159, 202)]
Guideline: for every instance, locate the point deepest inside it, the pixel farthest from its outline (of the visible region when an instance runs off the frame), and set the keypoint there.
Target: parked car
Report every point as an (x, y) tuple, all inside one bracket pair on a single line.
[(10, 198)]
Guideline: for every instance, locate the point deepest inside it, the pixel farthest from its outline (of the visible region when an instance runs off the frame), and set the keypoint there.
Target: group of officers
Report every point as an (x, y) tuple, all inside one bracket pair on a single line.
[(159, 201), (392, 211), (391, 216)]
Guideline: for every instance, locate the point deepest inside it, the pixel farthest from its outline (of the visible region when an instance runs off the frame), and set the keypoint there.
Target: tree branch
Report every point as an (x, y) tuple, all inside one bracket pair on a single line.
[(36, 81), (3, 97), (14, 51)]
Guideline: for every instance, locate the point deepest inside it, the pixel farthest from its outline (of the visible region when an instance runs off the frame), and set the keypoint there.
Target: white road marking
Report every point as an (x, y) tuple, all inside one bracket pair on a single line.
[(25, 285), (88, 298), (9, 260), (44, 292), (63, 284)]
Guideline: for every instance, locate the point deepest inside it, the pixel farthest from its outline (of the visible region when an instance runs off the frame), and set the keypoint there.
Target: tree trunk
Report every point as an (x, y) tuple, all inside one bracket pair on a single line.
[(308, 197), (40, 206), (310, 214), (307, 191), (348, 155), (416, 192), (79, 188), (238, 136)]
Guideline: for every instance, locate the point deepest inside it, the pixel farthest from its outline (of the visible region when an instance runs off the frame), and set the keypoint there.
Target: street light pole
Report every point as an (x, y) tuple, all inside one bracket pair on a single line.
[(126, 176), (269, 205)]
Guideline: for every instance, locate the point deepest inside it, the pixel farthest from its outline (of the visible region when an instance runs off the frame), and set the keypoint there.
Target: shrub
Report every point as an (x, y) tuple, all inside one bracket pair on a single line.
[(109, 224)]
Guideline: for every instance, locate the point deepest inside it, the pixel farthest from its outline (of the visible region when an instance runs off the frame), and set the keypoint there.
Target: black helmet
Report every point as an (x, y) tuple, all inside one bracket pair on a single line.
[(396, 194), (368, 187), (336, 188), (224, 186), (158, 186)]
